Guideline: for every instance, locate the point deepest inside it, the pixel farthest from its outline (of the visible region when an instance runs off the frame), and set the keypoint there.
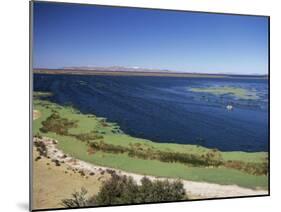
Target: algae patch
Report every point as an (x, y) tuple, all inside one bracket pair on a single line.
[(238, 93)]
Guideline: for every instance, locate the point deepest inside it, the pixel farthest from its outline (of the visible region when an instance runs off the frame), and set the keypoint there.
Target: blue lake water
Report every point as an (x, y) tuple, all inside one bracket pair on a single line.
[(163, 109)]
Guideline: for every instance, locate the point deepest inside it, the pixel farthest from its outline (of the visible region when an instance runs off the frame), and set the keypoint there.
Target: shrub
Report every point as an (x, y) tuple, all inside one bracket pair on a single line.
[(38, 135), (117, 190), (78, 199), (57, 124), (41, 148), (88, 136), (37, 158), (124, 190), (110, 148), (211, 158), (159, 191), (57, 163), (250, 167)]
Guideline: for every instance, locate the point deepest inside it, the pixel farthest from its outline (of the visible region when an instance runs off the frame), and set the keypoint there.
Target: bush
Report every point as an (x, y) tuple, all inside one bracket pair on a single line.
[(78, 199), (38, 135), (124, 190), (211, 158), (88, 136), (57, 124), (110, 148), (41, 148), (117, 190), (160, 191), (250, 167), (37, 158)]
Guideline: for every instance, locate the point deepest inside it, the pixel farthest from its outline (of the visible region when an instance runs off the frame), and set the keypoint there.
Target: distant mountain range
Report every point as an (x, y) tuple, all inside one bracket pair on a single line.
[(116, 68), (146, 70), (122, 70)]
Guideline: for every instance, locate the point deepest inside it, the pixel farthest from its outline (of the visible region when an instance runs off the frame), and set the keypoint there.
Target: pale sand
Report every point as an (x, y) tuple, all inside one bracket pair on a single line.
[(53, 183), (197, 190)]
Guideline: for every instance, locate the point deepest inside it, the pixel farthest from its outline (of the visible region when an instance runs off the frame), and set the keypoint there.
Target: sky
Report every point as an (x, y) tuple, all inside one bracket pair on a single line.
[(66, 35)]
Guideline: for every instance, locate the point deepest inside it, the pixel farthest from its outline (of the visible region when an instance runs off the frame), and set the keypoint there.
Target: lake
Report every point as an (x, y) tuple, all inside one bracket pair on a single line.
[(166, 109)]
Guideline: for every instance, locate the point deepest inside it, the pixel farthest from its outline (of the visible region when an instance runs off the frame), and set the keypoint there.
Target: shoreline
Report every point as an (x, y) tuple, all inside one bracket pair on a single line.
[(78, 149), (199, 189), (144, 74)]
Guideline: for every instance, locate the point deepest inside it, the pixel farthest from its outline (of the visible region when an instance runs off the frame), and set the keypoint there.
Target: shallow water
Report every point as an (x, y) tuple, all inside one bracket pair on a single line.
[(164, 109)]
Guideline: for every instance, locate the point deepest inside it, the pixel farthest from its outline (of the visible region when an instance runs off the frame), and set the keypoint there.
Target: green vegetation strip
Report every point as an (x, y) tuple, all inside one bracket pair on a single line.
[(239, 93), (79, 133)]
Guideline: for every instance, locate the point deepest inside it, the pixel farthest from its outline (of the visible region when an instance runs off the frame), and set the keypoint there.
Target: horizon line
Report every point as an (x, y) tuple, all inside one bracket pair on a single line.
[(167, 71)]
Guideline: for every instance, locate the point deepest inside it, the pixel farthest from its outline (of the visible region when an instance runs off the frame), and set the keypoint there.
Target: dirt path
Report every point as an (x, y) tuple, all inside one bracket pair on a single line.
[(195, 189)]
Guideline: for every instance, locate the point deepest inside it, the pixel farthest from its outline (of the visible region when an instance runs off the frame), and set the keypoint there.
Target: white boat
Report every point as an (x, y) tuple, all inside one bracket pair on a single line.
[(229, 107)]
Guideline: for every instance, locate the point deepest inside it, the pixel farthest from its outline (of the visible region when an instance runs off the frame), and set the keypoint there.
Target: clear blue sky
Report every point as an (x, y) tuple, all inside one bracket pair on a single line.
[(86, 35)]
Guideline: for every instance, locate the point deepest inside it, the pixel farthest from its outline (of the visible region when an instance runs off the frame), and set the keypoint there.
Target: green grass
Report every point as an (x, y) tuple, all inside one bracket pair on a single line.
[(157, 168), (87, 123), (239, 93)]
